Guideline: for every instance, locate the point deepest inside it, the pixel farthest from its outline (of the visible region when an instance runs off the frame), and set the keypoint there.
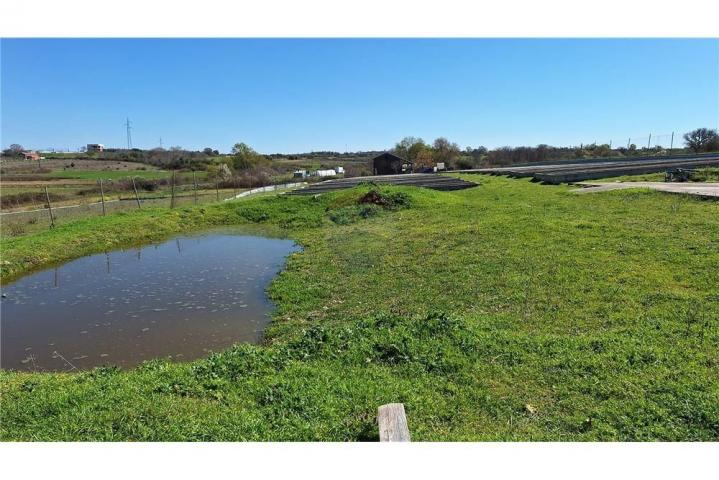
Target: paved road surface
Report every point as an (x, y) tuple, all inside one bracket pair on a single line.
[(700, 189)]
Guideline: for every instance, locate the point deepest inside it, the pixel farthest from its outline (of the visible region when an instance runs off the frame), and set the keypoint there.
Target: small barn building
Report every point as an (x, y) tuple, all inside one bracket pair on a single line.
[(390, 164), (34, 156)]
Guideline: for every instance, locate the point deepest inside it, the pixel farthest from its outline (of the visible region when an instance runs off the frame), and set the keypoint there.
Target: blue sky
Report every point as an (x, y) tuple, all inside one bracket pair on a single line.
[(296, 95)]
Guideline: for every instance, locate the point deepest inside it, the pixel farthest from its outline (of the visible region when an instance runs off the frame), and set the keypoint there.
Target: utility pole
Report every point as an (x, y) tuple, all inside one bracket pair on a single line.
[(160, 142), (629, 142), (671, 146), (129, 135)]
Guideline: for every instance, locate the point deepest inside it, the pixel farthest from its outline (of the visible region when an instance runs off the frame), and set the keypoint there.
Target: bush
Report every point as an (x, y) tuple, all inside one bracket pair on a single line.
[(357, 170), (369, 205), (253, 178), (15, 229), (140, 183), (24, 198), (463, 163), (389, 200)]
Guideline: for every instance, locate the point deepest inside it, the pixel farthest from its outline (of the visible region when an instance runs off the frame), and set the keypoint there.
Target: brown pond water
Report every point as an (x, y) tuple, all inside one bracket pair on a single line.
[(180, 299)]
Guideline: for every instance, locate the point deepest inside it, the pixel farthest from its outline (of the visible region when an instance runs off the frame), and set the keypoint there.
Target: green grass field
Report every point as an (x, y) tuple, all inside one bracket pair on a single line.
[(511, 311)]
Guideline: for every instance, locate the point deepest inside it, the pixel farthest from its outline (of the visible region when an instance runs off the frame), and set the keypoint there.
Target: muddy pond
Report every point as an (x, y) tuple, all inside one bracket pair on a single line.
[(179, 299)]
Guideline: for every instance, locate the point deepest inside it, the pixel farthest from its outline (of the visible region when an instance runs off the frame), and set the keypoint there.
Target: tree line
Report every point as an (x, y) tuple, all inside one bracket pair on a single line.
[(423, 154)]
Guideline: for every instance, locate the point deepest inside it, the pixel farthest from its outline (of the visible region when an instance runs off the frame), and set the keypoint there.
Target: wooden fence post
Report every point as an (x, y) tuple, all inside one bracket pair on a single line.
[(217, 189), (194, 183), (102, 198), (172, 197), (392, 423), (137, 197), (49, 209)]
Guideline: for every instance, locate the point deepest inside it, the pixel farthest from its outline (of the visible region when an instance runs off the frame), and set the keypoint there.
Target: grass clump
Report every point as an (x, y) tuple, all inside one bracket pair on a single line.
[(705, 175), (370, 204)]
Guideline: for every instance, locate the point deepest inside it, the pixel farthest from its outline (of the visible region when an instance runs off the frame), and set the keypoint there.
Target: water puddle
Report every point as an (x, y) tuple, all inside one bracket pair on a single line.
[(179, 299)]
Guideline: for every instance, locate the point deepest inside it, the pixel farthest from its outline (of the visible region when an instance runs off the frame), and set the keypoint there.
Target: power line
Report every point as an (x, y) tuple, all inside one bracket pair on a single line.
[(129, 135)]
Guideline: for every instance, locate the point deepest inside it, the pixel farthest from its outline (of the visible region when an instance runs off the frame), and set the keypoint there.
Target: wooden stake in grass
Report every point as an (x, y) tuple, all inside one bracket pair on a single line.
[(217, 190), (49, 209), (194, 183), (172, 194), (137, 197), (392, 423), (102, 198)]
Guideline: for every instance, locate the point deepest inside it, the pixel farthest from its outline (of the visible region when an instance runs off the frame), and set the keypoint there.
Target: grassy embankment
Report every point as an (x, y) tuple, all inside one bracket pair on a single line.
[(512, 311)]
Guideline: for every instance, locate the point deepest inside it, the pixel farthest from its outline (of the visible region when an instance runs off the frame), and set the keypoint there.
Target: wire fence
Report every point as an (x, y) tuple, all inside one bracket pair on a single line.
[(669, 141), (40, 217), (43, 215)]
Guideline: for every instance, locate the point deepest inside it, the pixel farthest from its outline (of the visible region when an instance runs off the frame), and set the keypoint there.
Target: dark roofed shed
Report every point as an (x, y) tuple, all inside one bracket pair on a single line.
[(390, 164)]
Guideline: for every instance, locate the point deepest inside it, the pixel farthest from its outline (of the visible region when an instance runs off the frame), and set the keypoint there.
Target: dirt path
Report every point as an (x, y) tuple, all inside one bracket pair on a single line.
[(699, 189)]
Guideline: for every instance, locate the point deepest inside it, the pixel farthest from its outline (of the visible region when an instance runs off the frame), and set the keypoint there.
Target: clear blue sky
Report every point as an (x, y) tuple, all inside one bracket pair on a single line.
[(295, 95)]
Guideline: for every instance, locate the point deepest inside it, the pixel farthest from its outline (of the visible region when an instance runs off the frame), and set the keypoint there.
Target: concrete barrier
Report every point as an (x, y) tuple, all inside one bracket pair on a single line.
[(268, 188)]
